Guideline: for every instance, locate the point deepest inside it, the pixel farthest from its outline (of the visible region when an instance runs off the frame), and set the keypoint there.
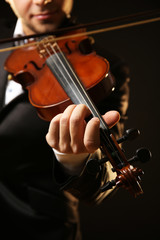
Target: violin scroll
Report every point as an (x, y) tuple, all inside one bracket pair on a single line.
[(128, 178)]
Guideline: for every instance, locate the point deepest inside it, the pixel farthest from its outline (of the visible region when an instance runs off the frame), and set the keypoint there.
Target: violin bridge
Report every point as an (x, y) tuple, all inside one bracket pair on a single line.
[(46, 46)]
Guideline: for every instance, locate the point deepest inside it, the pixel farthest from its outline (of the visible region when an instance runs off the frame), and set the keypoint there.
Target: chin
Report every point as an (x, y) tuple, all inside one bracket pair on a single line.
[(44, 28)]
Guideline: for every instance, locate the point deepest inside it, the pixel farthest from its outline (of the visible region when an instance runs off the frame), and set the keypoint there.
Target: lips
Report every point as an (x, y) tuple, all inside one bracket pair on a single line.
[(44, 15)]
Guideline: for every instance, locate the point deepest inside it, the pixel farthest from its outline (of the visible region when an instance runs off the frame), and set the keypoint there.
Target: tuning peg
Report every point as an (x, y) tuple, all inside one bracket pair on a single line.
[(130, 134), (142, 154), (94, 165)]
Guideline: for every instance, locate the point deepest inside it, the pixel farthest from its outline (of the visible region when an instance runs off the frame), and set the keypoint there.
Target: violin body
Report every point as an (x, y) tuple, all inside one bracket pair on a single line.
[(31, 71)]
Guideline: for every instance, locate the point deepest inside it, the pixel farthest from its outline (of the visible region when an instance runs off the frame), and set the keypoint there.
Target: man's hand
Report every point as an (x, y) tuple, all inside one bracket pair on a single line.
[(70, 134)]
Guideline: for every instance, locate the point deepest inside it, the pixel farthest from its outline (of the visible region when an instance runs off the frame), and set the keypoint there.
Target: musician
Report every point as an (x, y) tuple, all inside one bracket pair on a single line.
[(43, 171)]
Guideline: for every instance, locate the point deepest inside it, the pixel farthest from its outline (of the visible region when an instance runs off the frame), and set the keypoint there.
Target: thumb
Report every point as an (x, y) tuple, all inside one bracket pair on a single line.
[(111, 118)]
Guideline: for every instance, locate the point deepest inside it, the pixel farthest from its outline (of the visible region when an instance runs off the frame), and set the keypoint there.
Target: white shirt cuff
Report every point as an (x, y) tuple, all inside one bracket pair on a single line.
[(73, 163)]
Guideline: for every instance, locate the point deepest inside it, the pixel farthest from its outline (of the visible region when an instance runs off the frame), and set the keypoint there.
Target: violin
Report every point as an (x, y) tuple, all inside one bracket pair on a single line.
[(34, 71), (57, 73)]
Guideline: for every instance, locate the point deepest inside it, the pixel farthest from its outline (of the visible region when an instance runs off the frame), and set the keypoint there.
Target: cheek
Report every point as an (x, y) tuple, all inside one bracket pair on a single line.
[(21, 8)]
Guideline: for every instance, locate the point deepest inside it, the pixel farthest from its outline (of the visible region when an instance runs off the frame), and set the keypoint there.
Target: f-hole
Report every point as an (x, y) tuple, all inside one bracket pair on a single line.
[(35, 65)]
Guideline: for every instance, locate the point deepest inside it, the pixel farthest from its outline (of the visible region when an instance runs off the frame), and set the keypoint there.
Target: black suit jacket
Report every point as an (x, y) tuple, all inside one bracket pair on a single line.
[(31, 204)]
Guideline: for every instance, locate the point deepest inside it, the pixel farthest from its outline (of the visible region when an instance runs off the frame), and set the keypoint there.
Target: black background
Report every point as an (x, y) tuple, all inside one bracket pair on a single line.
[(122, 215)]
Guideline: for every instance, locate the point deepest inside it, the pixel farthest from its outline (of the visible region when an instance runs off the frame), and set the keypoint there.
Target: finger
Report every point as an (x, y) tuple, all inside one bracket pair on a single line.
[(52, 136), (64, 135), (111, 118), (77, 127), (92, 135)]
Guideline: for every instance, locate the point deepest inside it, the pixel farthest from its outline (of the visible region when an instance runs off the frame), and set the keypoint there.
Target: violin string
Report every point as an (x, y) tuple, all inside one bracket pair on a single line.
[(57, 56), (93, 32)]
